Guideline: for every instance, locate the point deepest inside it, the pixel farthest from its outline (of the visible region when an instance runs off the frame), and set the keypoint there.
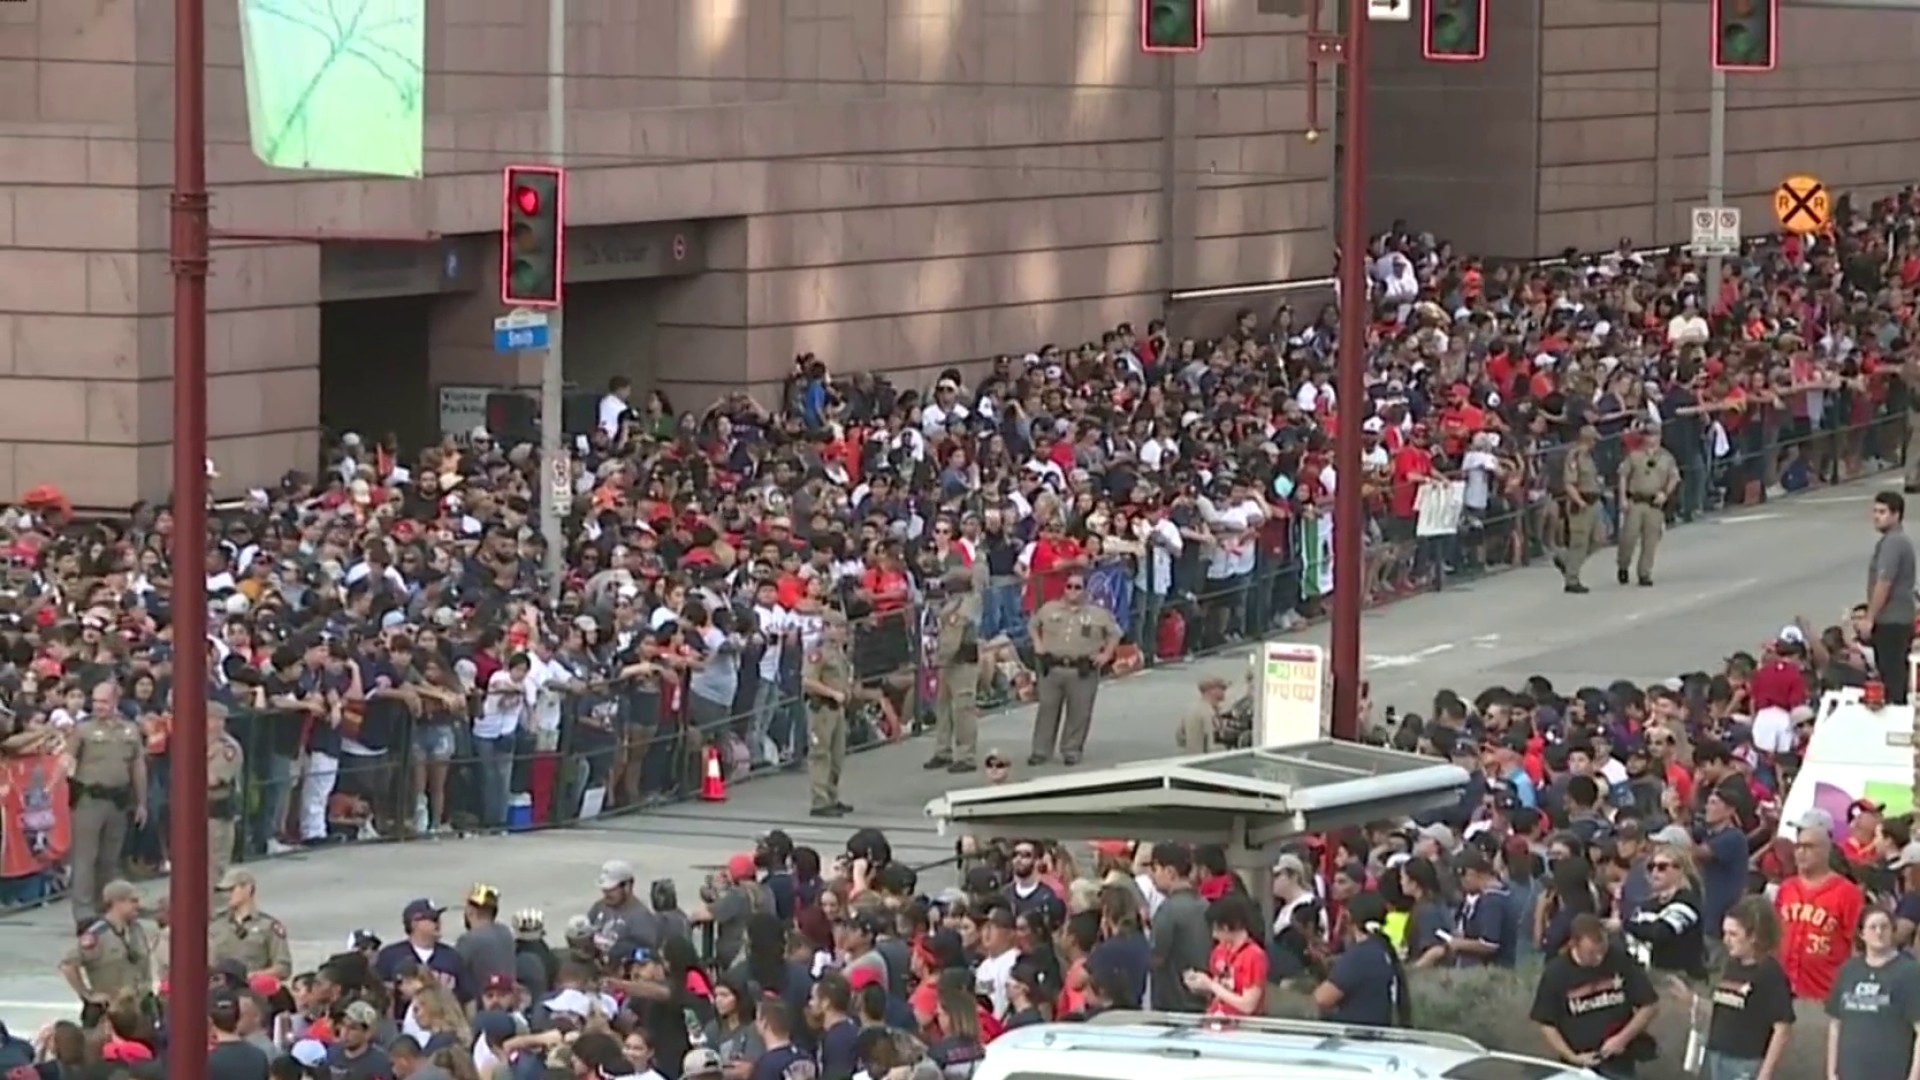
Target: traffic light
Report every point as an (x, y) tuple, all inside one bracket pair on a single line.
[(1172, 26), (533, 202), (1746, 34), (1454, 31)]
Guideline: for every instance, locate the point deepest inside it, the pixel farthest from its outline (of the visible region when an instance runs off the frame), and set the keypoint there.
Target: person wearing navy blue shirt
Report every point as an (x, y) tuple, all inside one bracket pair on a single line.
[(1483, 933), (1723, 861), (782, 1060), (1367, 983), (421, 955), (832, 1005)]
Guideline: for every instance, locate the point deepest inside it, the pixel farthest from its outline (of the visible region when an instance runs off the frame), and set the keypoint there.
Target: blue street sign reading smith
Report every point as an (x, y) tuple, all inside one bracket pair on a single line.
[(520, 330)]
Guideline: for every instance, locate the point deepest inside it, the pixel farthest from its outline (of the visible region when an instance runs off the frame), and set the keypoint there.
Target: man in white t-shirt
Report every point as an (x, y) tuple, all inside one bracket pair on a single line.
[(615, 406), (502, 712)]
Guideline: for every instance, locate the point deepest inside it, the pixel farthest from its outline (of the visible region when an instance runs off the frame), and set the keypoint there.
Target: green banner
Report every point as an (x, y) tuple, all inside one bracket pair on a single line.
[(337, 85)]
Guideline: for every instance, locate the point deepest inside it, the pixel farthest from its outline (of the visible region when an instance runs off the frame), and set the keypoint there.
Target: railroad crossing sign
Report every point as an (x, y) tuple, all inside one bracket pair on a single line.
[(1716, 231), (1800, 202)]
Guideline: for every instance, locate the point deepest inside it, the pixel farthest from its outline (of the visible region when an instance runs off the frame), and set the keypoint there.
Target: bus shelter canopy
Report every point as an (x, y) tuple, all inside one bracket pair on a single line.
[(1247, 799)]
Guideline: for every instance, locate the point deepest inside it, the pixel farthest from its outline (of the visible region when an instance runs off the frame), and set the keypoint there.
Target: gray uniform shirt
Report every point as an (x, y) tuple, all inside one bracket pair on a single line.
[(1893, 564)]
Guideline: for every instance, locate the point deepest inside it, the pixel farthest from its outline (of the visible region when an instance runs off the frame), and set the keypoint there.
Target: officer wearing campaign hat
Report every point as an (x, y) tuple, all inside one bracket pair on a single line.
[(956, 649)]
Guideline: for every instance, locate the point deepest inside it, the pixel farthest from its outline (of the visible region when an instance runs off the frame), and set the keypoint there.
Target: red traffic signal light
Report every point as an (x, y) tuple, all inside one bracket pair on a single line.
[(532, 235)]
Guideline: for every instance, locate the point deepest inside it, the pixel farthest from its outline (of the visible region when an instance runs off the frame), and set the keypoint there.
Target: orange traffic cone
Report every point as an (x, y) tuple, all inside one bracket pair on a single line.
[(713, 783)]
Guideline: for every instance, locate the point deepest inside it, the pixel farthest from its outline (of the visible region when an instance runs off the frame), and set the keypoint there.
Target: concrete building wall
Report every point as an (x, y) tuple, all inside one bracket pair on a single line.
[(896, 184)]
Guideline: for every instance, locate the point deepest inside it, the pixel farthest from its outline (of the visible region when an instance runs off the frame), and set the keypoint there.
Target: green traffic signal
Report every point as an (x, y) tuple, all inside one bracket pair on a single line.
[(1743, 37), (1171, 25), (1453, 30)]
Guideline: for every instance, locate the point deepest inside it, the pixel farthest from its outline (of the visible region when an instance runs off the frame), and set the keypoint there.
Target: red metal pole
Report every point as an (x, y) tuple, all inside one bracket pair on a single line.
[(187, 1023), (1350, 383)]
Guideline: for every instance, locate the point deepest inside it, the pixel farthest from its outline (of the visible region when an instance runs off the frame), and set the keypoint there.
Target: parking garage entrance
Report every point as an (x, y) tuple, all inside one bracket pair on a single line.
[(406, 331)]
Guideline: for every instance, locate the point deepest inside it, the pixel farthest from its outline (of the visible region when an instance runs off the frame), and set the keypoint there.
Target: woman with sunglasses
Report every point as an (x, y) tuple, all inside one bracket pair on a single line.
[(1668, 933)]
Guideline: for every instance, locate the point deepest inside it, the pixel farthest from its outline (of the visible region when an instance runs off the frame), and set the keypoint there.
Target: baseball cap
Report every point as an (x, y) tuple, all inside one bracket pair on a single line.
[(420, 909), (1675, 835), (741, 868), (494, 1026), (700, 1062), (1860, 807), (483, 896), (862, 977), (311, 1053), (363, 939), (497, 982), (359, 1012), (1439, 834), (615, 873)]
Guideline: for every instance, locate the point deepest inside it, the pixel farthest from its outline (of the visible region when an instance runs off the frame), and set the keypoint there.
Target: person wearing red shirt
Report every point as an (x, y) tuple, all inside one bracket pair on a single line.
[(1779, 683), (1054, 553), (1819, 910), (1411, 465), (1235, 982)]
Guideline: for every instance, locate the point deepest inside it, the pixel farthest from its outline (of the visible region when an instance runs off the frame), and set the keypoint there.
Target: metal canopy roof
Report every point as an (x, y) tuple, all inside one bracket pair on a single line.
[(1269, 792)]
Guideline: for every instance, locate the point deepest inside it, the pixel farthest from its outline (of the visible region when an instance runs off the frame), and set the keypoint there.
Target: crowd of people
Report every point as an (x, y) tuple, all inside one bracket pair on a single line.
[(389, 659), (1619, 846)]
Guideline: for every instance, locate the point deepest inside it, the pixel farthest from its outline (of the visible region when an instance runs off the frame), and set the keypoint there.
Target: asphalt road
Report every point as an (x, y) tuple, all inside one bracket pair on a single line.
[(1725, 585)]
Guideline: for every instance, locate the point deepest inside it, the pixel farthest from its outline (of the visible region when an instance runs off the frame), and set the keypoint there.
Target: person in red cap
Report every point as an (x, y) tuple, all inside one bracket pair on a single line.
[(1863, 825)]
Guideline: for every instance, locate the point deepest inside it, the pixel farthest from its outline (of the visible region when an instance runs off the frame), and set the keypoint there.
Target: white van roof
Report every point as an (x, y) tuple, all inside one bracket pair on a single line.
[(1180, 1046)]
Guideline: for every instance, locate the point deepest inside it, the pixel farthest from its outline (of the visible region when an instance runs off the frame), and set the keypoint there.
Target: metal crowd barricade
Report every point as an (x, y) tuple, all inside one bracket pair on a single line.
[(622, 753)]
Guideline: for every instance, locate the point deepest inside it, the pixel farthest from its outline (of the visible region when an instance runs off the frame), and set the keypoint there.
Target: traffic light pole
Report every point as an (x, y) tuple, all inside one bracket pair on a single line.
[(552, 368), (1716, 177), (1350, 388)]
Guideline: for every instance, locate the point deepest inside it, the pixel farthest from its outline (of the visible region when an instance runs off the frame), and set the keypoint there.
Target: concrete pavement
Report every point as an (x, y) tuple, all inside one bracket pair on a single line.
[(1725, 585)]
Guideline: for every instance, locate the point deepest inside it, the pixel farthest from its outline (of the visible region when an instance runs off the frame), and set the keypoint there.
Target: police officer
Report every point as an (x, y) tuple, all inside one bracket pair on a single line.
[(1648, 479), (113, 954), (1074, 640), (826, 677), (1580, 502), (108, 789), (226, 764), (244, 933), (1200, 726), (956, 648)]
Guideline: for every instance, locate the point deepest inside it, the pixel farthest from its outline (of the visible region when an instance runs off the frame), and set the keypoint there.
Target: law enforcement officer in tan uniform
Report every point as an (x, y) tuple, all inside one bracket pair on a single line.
[(244, 933), (113, 954), (1073, 639), (826, 678), (1199, 730), (226, 764), (1648, 479), (1580, 507), (109, 791), (956, 649)]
